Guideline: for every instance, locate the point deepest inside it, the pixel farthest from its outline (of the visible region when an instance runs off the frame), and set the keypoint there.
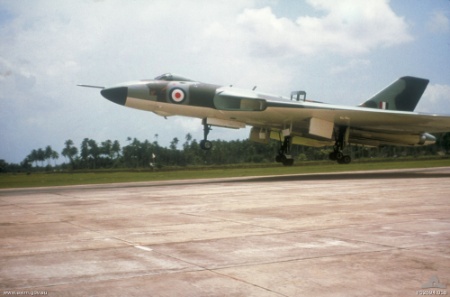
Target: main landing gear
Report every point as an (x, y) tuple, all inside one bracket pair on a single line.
[(338, 148), (205, 144), (284, 153)]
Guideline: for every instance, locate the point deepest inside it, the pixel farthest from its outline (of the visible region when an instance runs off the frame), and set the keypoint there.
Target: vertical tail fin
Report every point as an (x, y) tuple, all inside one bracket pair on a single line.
[(403, 95)]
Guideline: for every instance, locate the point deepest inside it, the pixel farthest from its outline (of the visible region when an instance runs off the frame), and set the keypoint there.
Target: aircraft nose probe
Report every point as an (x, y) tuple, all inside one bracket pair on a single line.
[(117, 95)]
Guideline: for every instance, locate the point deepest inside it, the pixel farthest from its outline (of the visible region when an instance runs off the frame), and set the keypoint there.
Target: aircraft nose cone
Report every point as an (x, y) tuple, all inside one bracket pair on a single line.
[(117, 95)]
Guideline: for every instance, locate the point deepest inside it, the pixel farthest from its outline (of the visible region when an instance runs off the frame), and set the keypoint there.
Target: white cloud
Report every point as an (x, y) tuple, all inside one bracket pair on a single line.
[(187, 125), (347, 27), (436, 99), (354, 64), (438, 22)]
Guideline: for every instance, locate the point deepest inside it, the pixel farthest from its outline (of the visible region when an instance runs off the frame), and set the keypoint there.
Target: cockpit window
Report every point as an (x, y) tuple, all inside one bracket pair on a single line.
[(171, 77)]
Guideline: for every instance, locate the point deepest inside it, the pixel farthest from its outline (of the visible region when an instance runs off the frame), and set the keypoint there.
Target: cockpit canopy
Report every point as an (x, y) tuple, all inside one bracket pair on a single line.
[(171, 77)]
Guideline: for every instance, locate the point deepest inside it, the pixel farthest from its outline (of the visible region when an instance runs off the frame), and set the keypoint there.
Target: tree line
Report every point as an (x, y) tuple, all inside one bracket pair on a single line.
[(146, 154)]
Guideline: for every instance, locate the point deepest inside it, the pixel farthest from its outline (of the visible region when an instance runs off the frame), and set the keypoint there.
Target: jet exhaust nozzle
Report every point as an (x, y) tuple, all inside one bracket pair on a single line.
[(427, 139)]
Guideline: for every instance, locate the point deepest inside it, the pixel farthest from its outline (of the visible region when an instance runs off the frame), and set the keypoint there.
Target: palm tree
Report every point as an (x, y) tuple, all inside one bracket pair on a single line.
[(174, 143), (40, 156), (48, 154), (54, 155), (115, 149), (70, 151)]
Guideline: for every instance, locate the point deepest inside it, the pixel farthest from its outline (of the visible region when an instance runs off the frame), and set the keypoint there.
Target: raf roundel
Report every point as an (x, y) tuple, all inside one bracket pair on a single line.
[(177, 95)]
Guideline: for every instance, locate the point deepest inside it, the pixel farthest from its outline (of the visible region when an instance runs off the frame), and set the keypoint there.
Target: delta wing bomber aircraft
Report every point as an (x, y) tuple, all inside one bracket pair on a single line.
[(388, 118)]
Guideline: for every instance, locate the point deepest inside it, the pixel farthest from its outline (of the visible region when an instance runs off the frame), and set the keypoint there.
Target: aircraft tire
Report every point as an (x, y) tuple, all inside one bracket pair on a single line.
[(206, 145), (346, 159)]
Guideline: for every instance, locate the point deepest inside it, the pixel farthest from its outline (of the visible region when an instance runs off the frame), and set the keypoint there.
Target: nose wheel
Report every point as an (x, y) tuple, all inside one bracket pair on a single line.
[(205, 144)]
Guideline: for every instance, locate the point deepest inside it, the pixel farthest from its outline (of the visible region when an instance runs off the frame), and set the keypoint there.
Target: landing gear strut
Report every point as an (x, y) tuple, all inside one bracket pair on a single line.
[(284, 153), (338, 148), (205, 144)]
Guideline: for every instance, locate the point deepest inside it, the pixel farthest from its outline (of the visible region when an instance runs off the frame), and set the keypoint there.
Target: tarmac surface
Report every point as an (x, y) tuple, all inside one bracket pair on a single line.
[(380, 233)]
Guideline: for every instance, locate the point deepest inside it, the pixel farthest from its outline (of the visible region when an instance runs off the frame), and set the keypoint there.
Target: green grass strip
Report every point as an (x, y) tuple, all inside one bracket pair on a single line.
[(23, 180)]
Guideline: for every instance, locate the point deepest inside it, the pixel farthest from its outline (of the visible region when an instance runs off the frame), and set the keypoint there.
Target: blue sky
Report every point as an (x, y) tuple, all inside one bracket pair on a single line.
[(340, 52)]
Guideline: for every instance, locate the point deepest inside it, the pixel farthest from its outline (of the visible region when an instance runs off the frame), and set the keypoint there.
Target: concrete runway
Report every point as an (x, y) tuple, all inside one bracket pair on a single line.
[(356, 234)]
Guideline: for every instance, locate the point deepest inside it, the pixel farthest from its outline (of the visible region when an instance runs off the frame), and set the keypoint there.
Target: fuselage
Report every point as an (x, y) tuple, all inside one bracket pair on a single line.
[(231, 107)]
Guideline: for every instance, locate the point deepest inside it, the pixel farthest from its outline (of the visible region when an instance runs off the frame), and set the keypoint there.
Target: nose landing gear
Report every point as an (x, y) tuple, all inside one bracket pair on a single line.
[(205, 144)]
